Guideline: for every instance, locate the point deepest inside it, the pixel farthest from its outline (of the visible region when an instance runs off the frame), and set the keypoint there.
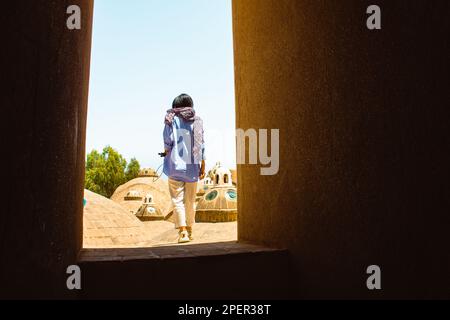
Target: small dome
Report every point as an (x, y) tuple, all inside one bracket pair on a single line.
[(148, 172), (148, 199), (159, 190), (133, 195), (149, 212), (220, 176)]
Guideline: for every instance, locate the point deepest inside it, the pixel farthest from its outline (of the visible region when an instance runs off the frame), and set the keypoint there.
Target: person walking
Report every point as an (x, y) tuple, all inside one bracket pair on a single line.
[(184, 161)]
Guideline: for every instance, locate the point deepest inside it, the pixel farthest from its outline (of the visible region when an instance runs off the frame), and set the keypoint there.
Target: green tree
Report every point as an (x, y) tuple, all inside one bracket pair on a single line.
[(95, 172), (133, 169), (107, 171)]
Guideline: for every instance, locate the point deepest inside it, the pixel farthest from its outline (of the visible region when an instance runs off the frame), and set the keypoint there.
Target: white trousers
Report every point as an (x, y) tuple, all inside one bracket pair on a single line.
[(183, 196)]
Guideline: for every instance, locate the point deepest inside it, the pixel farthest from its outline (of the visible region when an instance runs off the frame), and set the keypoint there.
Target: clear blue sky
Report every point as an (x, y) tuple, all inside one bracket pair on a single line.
[(145, 53)]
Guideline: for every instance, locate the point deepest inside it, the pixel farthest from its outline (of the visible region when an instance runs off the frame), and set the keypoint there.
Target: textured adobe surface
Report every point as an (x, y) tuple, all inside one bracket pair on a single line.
[(46, 71), (364, 141)]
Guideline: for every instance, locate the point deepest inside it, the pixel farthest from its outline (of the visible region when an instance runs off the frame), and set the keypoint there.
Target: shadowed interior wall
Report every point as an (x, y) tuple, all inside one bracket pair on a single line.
[(363, 124), (45, 73)]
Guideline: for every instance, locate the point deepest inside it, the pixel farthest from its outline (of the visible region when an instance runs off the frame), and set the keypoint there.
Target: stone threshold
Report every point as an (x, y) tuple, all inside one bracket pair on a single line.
[(174, 252)]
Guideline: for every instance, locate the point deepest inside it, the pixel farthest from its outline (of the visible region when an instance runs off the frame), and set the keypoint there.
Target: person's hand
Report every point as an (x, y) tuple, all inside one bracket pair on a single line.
[(164, 154)]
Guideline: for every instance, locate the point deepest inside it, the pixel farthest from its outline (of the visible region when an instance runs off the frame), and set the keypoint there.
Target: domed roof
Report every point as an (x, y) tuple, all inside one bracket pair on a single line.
[(107, 224), (218, 198), (159, 190), (218, 204)]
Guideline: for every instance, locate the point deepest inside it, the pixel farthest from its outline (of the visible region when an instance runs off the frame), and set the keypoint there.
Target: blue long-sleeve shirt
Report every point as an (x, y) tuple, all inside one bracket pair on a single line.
[(179, 163)]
